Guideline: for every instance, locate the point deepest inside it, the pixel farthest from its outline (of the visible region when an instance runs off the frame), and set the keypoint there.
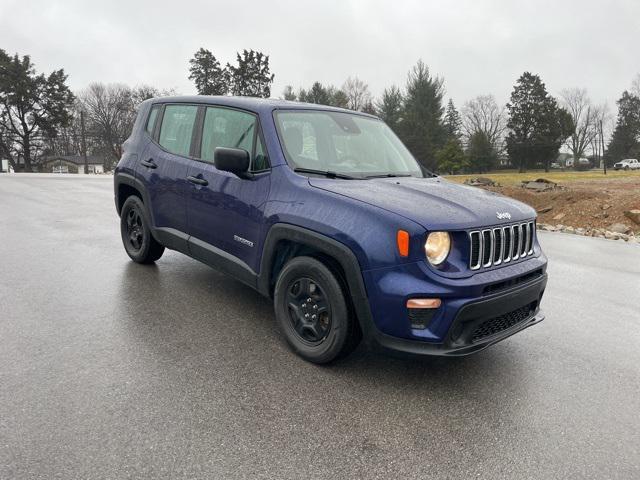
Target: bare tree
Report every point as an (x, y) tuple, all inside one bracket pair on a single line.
[(68, 139), (585, 120), (602, 125), (483, 115), (111, 112), (144, 92), (357, 93)]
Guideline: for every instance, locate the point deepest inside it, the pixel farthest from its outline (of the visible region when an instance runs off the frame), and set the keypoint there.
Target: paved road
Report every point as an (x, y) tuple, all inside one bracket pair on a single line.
[(114, 370)]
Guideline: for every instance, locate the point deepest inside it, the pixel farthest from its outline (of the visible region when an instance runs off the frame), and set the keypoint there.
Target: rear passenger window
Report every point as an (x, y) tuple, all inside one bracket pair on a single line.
[(177, 127), (224, 127), (151, 122)]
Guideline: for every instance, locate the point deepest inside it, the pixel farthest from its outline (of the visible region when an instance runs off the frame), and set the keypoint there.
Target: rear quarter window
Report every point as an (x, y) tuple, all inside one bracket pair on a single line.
[(151, 121)]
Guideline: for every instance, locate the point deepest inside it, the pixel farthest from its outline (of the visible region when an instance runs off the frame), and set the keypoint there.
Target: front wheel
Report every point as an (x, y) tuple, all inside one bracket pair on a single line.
[(312, 311), (136, 233)]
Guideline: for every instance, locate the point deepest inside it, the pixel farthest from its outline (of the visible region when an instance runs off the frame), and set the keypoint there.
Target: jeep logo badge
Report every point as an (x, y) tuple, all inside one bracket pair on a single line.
[(503, 215)]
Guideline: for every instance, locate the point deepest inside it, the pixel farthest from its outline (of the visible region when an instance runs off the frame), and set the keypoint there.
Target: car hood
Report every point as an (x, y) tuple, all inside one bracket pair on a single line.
[(434, 203)]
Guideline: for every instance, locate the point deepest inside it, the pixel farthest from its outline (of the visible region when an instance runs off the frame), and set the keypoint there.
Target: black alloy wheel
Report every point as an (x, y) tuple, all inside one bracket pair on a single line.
[(135, 230), (309, 310), (312, 310)]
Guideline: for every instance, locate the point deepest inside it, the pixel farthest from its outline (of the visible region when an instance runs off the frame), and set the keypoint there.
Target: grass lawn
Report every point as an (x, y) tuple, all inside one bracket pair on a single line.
[(512, 177)]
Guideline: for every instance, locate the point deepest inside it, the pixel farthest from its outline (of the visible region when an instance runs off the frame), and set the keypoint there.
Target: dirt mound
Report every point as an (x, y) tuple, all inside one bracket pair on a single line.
[(589, 204)]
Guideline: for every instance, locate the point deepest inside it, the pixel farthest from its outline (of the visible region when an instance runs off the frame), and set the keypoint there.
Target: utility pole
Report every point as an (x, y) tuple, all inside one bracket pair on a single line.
[(84, 143), (604, 161)]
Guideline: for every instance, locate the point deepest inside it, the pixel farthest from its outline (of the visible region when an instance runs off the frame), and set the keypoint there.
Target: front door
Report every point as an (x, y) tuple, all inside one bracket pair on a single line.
[(226, 212)]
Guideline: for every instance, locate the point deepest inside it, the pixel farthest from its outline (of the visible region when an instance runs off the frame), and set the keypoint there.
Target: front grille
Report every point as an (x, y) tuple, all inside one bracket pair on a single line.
[(494, 246), (503, 322)]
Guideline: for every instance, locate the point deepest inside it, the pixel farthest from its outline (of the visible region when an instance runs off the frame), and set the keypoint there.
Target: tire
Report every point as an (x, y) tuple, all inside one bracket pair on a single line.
[(136, 232), (312, 311), (626, 167)]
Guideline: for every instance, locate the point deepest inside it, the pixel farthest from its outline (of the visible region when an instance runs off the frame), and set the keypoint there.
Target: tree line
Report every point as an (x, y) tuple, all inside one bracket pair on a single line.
[(527, 132), (40, 115)]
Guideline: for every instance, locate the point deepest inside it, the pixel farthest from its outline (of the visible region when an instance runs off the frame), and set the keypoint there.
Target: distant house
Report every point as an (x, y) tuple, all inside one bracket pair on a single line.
[(72, 164), (564, 160), (582, 161), (5, 166)]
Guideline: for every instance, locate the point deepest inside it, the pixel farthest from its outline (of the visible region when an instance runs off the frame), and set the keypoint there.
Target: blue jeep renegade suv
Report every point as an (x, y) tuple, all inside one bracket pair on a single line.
[(325, 211)]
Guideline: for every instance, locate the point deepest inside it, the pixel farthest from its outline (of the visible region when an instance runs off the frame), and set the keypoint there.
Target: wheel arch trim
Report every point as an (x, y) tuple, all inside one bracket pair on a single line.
[(120, 179), (328, 246)]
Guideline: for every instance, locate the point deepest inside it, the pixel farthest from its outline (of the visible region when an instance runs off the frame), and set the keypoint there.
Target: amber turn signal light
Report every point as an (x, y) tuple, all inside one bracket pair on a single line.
[(424, 303), (403, 243)]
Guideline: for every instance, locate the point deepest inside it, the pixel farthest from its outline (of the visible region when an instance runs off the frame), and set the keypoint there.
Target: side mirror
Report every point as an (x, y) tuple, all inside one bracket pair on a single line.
[(234, 160)]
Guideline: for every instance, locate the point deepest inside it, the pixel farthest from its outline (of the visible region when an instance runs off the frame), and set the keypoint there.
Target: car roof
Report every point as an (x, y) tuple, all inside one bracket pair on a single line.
[(253, 104)]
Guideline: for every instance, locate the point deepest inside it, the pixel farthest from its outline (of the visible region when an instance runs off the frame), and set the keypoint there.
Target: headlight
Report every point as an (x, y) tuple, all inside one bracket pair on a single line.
[(437, 247)]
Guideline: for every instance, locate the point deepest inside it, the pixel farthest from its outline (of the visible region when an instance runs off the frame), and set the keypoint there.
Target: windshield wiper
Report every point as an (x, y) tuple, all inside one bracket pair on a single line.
[(389, 175), (326, 173)]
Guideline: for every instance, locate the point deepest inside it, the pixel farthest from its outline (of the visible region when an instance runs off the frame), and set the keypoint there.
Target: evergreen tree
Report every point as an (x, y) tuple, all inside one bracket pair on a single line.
[(321, 95), (452, 122), (389, 107), (251, 77), (338, 98), (625, 141), (538, 127), (451, 158), (316, 94), (481, 153), (32, 106), (289, 94), (421, 129), (209, 77)]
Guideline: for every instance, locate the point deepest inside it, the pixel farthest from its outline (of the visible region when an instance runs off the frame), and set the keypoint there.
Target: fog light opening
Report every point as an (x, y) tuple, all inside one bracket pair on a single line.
[(422, 311)]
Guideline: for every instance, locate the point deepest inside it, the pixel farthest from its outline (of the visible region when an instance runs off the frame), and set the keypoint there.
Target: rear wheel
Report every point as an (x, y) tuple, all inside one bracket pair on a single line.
[(136, 234), (312, 311)]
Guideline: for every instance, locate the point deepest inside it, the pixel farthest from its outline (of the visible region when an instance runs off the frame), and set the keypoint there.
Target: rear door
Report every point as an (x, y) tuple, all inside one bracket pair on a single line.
[(226, 212), (163, 168)]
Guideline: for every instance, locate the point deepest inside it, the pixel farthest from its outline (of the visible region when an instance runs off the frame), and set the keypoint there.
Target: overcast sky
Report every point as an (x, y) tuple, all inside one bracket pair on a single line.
[(478, 46)]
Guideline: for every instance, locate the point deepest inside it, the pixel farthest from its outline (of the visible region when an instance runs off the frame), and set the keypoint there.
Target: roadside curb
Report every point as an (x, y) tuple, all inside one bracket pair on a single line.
[(590, 232)]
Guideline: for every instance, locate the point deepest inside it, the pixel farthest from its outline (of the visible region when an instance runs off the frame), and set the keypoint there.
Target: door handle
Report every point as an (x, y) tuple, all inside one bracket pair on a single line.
[(197, 180), (149, 163)]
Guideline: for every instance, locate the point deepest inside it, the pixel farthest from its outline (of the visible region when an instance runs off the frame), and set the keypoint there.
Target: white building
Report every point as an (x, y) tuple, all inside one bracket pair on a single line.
[(72, 164)]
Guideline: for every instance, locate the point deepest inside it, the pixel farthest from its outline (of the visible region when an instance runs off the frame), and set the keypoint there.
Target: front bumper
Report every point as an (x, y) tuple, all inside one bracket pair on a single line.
[(477, 324)]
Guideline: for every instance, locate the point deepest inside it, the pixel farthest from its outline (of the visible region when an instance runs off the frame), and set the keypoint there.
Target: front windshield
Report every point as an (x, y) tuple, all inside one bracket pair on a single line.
[(343, 143)]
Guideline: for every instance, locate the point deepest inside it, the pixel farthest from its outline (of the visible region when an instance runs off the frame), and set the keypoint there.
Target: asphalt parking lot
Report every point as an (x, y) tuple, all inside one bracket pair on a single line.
[(110, 369)]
